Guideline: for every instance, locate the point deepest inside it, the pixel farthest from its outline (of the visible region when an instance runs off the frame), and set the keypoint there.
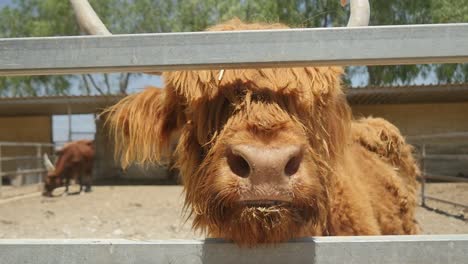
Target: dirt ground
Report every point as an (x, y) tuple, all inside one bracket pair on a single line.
[(155, 212)]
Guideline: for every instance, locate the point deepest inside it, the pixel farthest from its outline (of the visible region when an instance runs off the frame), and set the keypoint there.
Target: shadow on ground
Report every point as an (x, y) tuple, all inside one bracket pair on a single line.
[(445, 213)]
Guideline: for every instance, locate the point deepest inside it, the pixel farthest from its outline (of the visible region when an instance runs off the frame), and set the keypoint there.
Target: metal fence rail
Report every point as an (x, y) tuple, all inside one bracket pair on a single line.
[(424, 157), (33, 171), (39, 150), (445, 178), (427, 176), (407, 44), (441, 249), (25, 144)]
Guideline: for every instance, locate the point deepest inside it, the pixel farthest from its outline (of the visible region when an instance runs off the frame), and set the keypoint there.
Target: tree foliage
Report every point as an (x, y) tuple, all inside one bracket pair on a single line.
[(450, 11), (28, 18), (33, 18)]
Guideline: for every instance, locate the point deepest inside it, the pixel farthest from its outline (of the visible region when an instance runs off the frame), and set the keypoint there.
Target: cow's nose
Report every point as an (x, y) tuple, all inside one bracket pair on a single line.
[(265, 164)]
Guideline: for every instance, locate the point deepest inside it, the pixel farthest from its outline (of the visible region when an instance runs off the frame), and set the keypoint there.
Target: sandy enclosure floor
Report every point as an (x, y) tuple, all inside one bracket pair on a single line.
[(155, 212)]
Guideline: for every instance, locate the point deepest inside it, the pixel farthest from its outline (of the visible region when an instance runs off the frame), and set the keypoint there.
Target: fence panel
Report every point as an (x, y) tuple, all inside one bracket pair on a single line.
[(441, 249), (423, 141), (18, 169)]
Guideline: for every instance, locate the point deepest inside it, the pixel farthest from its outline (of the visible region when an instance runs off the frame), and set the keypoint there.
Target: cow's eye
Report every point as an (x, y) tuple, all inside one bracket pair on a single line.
[(258, 97)]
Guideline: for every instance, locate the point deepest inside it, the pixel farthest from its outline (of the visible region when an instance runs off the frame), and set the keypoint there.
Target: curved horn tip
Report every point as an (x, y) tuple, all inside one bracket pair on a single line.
[(359, 13), (48, 164)]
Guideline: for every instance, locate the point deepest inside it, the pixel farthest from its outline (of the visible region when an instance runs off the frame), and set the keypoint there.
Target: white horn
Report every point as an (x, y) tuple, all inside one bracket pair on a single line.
[(359, 13), (88, 20), (48, 164)]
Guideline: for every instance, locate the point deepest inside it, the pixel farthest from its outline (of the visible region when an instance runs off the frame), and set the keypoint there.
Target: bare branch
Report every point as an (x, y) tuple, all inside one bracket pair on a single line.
[(106, 80), (91, 79), (124, 83), (85, 81)]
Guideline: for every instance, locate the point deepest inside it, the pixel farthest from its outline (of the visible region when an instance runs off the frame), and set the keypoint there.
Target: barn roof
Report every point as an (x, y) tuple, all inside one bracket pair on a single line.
[(56, 105)]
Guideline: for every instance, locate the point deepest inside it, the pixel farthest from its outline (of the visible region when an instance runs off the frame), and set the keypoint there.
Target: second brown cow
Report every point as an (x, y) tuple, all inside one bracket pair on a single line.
[(75, 161)]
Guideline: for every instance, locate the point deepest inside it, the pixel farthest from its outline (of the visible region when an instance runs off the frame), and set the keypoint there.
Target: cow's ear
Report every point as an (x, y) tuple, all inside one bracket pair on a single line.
[(141, 125)]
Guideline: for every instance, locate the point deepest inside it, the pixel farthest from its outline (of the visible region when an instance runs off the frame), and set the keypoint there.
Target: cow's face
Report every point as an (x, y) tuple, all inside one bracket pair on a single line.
[(51, 182), (256, 150)]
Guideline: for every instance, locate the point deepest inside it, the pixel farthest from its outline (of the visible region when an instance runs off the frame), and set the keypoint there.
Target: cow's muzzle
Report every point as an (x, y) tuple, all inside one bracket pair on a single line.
[(265, 165)]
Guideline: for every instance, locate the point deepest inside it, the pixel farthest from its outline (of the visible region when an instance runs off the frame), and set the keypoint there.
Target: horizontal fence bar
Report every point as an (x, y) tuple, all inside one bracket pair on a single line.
[(83, 133), (443, 156), (408, 44), (20, 158), (450, 135), (445, 201), (32, 171), (446, 157), (445, 178), (321, 250), (25, 144)]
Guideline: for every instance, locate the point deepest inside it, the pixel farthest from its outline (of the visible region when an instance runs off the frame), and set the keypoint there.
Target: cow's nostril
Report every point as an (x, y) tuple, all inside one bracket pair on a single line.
[(238, 165), (293, 165)]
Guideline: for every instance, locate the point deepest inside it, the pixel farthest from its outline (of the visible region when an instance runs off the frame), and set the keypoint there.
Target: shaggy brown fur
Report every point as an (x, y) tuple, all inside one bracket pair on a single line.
[(355, 178)]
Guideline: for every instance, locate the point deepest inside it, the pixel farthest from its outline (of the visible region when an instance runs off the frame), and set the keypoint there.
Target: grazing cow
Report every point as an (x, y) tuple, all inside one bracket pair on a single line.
[(75, 161), (268, 155)]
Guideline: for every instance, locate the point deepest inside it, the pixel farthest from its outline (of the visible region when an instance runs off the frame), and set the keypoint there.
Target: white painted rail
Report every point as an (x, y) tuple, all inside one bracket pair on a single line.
[(408, 44), (441, 249)]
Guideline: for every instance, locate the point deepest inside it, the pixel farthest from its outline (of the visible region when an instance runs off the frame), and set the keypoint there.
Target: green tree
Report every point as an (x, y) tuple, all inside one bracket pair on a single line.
[(196, 15), (450, 11), (32, 18), (322, 13), (28, 19)]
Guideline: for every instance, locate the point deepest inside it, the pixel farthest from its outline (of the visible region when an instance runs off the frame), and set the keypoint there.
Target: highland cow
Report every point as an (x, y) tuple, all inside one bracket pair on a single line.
[(267, 155)]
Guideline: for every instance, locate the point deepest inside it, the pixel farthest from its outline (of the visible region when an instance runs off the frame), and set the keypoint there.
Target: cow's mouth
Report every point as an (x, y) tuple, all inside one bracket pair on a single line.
[(263, 203)]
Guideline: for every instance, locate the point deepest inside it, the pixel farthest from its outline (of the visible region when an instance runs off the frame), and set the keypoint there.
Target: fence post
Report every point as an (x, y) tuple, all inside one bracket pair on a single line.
[(69, 112), (1, 175), (39, 164), (423, 175)]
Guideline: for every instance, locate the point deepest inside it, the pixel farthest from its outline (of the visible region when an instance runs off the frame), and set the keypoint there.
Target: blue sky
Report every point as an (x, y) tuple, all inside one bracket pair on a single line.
[(5, 2)]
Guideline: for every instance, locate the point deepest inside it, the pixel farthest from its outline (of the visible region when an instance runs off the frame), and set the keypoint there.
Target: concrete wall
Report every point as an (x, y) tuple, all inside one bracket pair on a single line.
[(104, 164), (423, 119), (416, 119), (24, 129), (107, 168)]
